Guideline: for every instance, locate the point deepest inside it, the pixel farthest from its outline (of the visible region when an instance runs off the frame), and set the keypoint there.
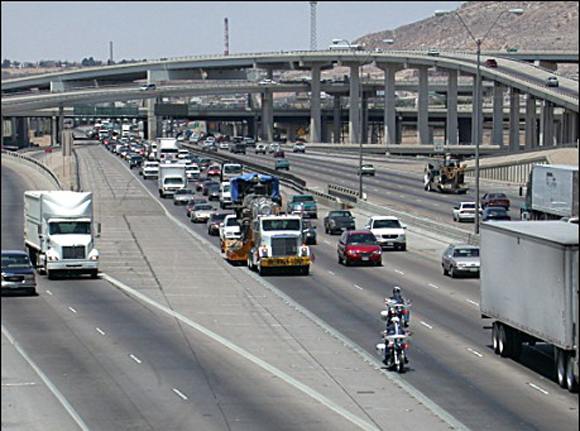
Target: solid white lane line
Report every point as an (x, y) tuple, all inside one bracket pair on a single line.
[(49, 292), (426, 324), (358, 287), (100, 331), (135, 358), (68, 407), (475, 352), (472, 302), (355, 420), (536, 387), (432, 285), (72, 309), (399, 272), (181, 395)]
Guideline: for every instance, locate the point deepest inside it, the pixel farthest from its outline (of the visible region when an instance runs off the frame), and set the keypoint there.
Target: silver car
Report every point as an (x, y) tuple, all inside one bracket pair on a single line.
[(183, 196), (461, 259), (201, 213)]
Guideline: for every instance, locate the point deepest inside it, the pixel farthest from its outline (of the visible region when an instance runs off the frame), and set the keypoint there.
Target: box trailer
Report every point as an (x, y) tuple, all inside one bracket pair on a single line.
[(529, 288)]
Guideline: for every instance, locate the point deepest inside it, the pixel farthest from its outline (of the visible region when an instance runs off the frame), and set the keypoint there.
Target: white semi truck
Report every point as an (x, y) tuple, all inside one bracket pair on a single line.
[(529, 287), (58, 232), (172, 177)]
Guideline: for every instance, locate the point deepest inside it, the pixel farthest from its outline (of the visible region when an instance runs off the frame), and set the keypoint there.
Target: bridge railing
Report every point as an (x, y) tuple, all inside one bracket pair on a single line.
[(39, 166)]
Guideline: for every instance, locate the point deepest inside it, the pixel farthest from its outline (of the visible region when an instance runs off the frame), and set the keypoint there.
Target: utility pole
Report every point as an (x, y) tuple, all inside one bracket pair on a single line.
[(111, 52), (313, 25), (226, 37)]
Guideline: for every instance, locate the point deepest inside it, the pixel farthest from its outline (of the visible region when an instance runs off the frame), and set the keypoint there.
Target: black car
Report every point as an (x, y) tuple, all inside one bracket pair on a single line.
[(135, 161), (238, 148), (207, 185), (337, 221), (17, 273), (213, 224), (495, 214)]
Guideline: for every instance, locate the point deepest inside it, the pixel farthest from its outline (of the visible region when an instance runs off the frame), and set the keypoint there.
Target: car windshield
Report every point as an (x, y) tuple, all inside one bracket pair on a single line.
[(218, 217), (282, 224), (469, 206), (173, 181), (496, 211), (340, 214), (362, 239), (69, 227), (466, 252), (184, 192), (232, 169), (378, 224), (296, 199), (15, 261), (232, 222), (203, 207), (496, 196)]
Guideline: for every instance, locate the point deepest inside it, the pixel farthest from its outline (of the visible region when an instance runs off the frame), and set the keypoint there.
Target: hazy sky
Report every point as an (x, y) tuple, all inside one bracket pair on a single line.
[(33, 31)]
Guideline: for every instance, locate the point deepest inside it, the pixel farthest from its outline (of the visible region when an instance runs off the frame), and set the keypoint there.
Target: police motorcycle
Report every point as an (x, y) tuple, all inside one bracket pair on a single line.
[(394, 346), (398, 306)]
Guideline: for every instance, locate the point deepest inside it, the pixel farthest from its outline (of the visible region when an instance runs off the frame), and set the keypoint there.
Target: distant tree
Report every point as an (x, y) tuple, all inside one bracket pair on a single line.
[(15, 63), (6, 63)]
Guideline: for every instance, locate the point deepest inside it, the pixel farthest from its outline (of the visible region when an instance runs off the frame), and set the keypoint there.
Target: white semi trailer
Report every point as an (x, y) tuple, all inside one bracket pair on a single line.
[(58, 232), (529, 287)]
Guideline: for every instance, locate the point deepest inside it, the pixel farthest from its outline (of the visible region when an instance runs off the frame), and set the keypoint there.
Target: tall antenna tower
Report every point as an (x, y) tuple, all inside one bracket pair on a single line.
[(313, 25), (226, 37)]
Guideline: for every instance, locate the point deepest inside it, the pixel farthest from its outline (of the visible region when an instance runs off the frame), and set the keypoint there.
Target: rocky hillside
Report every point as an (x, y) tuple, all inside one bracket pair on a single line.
[(544, 25)]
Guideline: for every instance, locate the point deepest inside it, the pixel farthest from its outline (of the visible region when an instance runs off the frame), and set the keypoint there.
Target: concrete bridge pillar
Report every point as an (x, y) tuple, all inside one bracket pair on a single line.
[(465, 126), (497, 127), (423, 108), (477, 135), (354, 126), (315, 110), (451, 129), (547, 124), (54, 132), (514, 125), (571, 127), (531, 134), (267, 115), (390, 122), (336, 121), (365, 118)]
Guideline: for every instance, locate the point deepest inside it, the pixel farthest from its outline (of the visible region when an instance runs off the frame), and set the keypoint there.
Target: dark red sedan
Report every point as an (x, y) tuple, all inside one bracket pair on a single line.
[(359, 246), (279, 153), (213, 171)]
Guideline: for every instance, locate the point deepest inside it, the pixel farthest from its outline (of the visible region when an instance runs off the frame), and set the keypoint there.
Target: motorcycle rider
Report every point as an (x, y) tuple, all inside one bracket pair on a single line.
[(391, 303), (397, 296)]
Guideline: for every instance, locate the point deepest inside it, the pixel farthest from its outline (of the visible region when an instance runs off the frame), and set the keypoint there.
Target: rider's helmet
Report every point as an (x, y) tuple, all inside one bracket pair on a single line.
[(396, 289)]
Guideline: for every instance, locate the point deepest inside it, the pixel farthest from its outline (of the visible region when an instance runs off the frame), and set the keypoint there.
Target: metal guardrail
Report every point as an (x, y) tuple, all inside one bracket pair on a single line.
[(41, 167), (343, 193)]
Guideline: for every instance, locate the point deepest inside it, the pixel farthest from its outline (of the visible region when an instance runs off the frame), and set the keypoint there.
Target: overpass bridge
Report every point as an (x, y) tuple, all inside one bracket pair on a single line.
[(229, 75)]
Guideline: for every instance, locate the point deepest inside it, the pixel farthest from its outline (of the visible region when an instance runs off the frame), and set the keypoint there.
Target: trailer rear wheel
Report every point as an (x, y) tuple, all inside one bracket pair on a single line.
[(505, 341), (495, 338), (561, 359), (571, 378)]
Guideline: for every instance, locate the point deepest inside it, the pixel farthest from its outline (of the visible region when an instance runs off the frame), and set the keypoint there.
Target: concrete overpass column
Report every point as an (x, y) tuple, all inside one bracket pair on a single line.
[(336, 122), (354, 110), (267, 115), (60, 124), (451, 129), (423, 108), (497, 127), (54, 132), (390, 121), (547, 124), (531, 135), (514, 128), (365, 118), (571, 132), (315, 110)]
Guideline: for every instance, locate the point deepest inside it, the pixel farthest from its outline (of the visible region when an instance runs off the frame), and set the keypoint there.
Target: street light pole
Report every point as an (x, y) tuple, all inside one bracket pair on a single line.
[(477, 99)]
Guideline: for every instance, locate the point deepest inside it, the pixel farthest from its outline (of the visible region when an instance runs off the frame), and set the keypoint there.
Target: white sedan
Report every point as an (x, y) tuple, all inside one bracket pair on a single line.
[(201, 213), (465, 211)]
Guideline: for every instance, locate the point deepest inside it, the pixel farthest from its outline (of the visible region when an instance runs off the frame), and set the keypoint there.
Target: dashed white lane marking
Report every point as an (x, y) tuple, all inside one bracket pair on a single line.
[(426, 324), (136, 359), (358, 287), (100, 331), (49, 292), (433, 286), (475, 352), (72, 309), (399, 272), (327, 242), (536, 387), (472, 302), (331, 273), (15, 385), (179, 393)]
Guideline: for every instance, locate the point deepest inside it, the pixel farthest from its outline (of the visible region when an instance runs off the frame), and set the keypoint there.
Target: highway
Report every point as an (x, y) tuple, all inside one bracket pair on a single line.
[(451, 359)]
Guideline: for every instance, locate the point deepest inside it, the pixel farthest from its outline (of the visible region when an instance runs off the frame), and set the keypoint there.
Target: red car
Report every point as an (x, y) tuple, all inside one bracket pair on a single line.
[(495, 200), (213, 171), (490, 62), (359, 246), (279, 153)]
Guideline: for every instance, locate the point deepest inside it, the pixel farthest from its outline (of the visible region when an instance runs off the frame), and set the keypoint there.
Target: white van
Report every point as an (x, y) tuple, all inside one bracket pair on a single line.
[(225, 195)]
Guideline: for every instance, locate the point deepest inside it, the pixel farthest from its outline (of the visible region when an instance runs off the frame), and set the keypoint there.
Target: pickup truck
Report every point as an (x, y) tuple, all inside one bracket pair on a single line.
[(495, 200), (304, 204), (337, 221)]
